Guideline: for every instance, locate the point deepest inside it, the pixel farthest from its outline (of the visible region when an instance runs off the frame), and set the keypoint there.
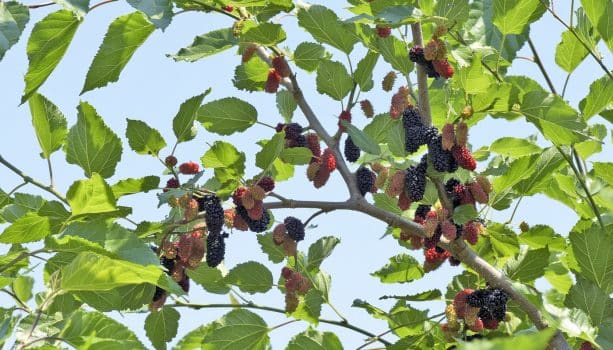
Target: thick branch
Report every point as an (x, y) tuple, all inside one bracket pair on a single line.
[(34, 182), (422, 79)]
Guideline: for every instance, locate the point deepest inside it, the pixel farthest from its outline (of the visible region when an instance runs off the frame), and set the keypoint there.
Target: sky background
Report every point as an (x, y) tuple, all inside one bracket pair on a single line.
[(152, 87)]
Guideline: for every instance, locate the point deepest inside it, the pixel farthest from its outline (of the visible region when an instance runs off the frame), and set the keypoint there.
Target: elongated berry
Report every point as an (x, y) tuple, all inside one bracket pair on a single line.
[(400, 101), (328, 160), (214, 213), (448, 137), (443, 68), (367, 108), (351, 151), (435, 49), (248, 52), (449, 230), (272, 82), (312, 142), (478, 193), (470, 232), (396, 184), (462, 134), (189, 168), (415, 183), (388, 81), (442, 160), (484, 183), (464, 158), (345, 115), (366, 179), (280, 65), (321, 176), (215, 249)]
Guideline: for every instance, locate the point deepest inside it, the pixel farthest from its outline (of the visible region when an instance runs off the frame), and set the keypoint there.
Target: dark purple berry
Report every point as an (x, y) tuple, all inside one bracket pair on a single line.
[(294, 227)]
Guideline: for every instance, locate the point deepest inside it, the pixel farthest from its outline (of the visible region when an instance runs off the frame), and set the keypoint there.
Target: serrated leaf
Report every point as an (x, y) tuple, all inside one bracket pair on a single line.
[(238, 329), (286, 104), (518, 170), (82, 326), (528, 266), (503, 240), (251, 75), (123, 37), (592, 249), (318, 251), (159, 12), (13, 19), (514, 147), (363, 72), (130, 297), (209, 278), (333, 80), (540, 236), (510, 15), (314, 340), (47, 45), (183, 123), (92, 196), (599, 97), (92, 272), (464, 213), (472, 78), (361, 139), (193, 339), (270, 151), (227, 115), (226, 157), (586, 295), (144, 139), (275, 253), (455, 11), (600, 14), (401, 268), (265, 34), (531, 341), (325, 27), (308, 56), (394, 51), (546, 164), (251, 277), (161, 326), (29, 228), (309, 308), (132, 186), (569, 52), (386, 202), (604, 171), (206, 45), (91, 144), (296, 155), (22, 287), (49, 124)]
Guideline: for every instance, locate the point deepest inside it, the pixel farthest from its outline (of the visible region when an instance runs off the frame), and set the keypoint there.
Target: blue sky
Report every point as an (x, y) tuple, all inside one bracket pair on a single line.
[(152, 87)]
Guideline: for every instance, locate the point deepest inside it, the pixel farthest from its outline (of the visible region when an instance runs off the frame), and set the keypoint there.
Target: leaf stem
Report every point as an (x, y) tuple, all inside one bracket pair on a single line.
[(16, 298), (51, 182), (101, 4), (34, 182), (282, 324)]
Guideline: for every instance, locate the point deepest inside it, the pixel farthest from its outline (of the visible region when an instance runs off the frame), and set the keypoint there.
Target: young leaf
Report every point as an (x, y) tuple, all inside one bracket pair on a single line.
[(363, 73), (49, 124), (13, 18), (270, 151), (503, 240), (144, 139), (324, 26), (224, 156), (528, 266), (193, 339), (83, 326), (47, 45), (546, 164), (333, 80), (91, 196), (386, 202), (286, 105), (227, 115), (29, 228), (91, 144), (183, 123), (456, 11), (252, 75), (275, 253), (22, 287), (132, 186), (429, 295), (308, 56), (569, 52), (309, 308), (591, 249), (402, 268), (464, 213), (251, 277), (209, 278), (161, 326), (514, 147), (238, 329), (79, 7), (159, 12), (394, 52), (318, 251), (266, 34), (510, 15), (206, 45)]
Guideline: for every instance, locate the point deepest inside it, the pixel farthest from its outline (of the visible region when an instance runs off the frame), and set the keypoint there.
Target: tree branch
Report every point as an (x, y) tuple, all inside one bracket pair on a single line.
[(34, 182), (422, 79)]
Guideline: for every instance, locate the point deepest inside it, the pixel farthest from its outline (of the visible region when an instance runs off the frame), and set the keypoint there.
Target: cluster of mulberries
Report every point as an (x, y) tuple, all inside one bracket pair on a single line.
[(416, 133), (475, 310), (442, 160), (250, 209), (213, 211), (320, 168), (433, 57), (296, 285), (416, 55), (471, 192), (272, 81), (281, 237), (366, 180), (454, 139), (293, 134), (351, 150), (400, 101)]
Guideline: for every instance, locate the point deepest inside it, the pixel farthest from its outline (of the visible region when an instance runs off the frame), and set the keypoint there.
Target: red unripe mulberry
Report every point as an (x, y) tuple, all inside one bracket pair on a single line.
[(443, 68), (586, 346), (459, 302), (449, 230), (471, 231), (435, 49), (189, 168), (328, 160), (272, 83), (396, 184), (280, 65), (345, 115), (464, 158), (321, 177), (383, 31), (477, 326), (491, 324), (367, 108), (404, 202), (448, 137), (228, 8), (478, 193), (248, 52), (238, 195), (400, 101), (484, 183)]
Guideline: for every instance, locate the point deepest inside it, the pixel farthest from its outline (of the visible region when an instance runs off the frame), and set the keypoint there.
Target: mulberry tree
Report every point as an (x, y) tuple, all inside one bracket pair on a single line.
[(412, 83)]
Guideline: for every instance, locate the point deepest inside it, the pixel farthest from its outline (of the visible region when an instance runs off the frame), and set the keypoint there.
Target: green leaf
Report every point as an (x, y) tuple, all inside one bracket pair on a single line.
[(361, 139), (503, 240), (227, 116), (29, 228), (22, 287), (333, 80), (569, 52), (144, 139), (83, 327), (472, 78), (325, 27), (518, 170), (600, 13), (546, 164), (386, 202), (586, 295), (455, 11), (132, 186), (401, 268), (318, 251), (13, 19), (309, 308), (308, 56), (558, 122), (79, 7), (464, 213), (183, 123), (511, 16), (514, 147), (599, 97), (530, 341), (251, 277), (92, 196), (47, 45), (604, 171), (557, 275), (91, 144), (296, 155), (206, 45), (314, 340), (394, 51), (540, 236), (286, 105), (270, 151), (93, 272), (528, 266), (130, 297), (209, 278), (125, 34), (251, 75), (193, 339), (161, 326), (275, 253), (363, 73), (238, 329), (159, 12), (265, 34), (49, 124), (591, 249), (224, 156), (429, 295)]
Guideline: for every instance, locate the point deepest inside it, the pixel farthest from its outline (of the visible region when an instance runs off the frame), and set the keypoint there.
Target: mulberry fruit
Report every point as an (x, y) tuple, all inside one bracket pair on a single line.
[(248, 52), (259, 225), (491, 324), (278, 234), (494, 305), (312, 142), (367, 108), (388, 81), (352, 152), (170, 161), (295, 228), (237, 196), (448, 137), (383, 31), (328, 160), (449, 230), (365, 179), (280, 65), (478, 193), (443, 161), (435, 49), (272, 82), (172, 183), (464, 158), (413, 138), (291, 302), (470, 232), (214, 213), (267, 183), (215, 249), (416, 54), (415, 183), (477, 326), (411, 117), (462, 134), (189, 168), (400, 101), (459, 302), (422, 210), (228, 8), (404, 203), (292, 131), (321, 176), (443, 68), (396, 184), (345, 115), (484, 183), (467, 112)]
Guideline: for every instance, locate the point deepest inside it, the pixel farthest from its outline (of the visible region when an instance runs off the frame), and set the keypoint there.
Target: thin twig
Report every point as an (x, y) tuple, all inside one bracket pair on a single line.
[(20, 257), (539, 63), (19, 301), (422, 79), (316, 214), (51, 182), (41, 5), (101, 4), (34, 182), (374, 339)]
